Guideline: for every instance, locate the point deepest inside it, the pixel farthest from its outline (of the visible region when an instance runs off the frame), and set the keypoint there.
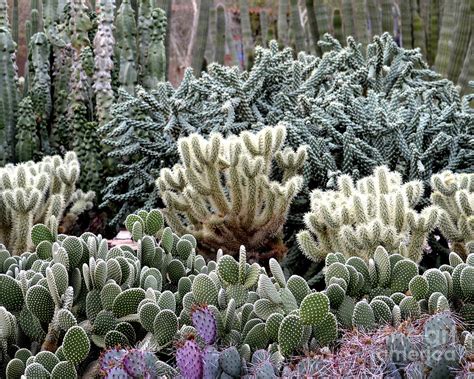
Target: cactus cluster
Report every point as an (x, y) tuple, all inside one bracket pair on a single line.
[(353, 112), (76, 51), (32, 193), (247, 207), (357, 217)]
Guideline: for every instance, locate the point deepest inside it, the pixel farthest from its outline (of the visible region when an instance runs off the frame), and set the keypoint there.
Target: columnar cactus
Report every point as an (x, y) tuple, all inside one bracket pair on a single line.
[(358, 217), (248, 208), (9, 96), (200, 38), (155, 66), (126, 48), (27, 142), (103, 57)]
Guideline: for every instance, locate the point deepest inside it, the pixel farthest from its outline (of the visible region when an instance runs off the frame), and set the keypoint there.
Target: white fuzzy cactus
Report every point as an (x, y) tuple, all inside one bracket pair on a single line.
[(223, 194), (358, 217), (454, 194)]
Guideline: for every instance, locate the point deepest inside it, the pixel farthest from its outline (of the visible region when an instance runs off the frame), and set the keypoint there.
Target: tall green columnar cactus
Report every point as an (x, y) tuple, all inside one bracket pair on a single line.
[(460, 39), (296, 27), (144, 25), (219, 52), (282, 23), (348, 18), (467, 72), (200, 38), (247, 38), (4, 22), (374, 18), (155, 69), (407, 22), (166, 6), (39, 86), (15, 21), (249, 208), (313, 25), (387, 16), (36, 21), (358, 217), (126, 43), (432, 40), (360, 22), (60, 134), (419, 35), (322, 16), (104, 42), (8, 96), (454, 194), (448, 24), (79, 24), (337, 25), (27, 142)]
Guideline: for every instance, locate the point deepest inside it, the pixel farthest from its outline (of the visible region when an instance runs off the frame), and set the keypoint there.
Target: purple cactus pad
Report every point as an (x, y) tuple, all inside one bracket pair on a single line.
[(205, 324)]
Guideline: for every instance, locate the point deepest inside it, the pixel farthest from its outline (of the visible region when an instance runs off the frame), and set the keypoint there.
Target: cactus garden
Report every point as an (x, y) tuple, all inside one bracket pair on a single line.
[(223, 189)]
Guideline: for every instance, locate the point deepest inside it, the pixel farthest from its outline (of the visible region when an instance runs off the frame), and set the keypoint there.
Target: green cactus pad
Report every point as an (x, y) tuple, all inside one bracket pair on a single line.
[(165, 327), (64, 370), (204, 290), (314, 308), (290, 334), (76, 345), (40, 303), (326, 332), (11, 295), (363, 316), (114, 338), (126, 303), (418, 287)]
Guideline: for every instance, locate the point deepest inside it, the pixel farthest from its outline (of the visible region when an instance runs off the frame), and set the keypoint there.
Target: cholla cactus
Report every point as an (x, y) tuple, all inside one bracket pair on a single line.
[(454, 194), (222, 192), (376, 210), (32, 193)]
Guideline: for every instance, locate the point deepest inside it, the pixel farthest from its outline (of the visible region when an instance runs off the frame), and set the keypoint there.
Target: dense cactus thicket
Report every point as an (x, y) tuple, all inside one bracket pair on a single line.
[(353, 112), (309, 216)]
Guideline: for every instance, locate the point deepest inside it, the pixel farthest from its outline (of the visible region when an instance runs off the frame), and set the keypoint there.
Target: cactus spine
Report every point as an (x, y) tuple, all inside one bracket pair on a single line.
[(200, 38)]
